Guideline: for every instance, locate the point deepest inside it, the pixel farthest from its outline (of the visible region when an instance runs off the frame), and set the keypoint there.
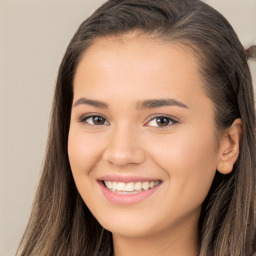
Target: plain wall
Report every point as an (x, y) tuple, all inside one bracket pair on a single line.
[(33, 39)]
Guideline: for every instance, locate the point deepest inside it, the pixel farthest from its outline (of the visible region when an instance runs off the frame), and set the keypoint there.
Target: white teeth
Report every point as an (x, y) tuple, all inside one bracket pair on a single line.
[(137, 186), (114, 185), (120, 186), (145, 185), (131, 186), (109, 184)]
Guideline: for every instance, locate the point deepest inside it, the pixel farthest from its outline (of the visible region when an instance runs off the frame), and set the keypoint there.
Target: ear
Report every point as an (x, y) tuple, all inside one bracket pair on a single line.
[(229, 147)]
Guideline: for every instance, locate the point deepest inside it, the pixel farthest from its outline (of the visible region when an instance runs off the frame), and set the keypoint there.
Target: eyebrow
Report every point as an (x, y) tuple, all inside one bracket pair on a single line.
[(156, 103), (94, 103), (150, 104)]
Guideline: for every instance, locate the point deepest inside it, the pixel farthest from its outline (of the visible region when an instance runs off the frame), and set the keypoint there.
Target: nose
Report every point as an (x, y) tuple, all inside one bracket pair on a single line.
[(124, 148)]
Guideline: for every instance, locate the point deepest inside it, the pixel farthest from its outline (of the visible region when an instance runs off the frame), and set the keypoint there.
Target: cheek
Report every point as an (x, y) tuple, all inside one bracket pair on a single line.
[(183, 149), (190, 160), (83, 152)]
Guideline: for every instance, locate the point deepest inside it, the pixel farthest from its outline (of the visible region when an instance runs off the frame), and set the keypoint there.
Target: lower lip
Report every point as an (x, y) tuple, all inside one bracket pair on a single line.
[(127, 198)]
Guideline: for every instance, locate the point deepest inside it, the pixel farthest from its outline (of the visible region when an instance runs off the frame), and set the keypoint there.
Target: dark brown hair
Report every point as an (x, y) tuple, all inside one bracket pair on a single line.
[(61, 224)]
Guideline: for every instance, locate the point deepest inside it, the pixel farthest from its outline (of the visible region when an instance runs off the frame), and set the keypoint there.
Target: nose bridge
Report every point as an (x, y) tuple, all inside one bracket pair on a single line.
[(124, 147)]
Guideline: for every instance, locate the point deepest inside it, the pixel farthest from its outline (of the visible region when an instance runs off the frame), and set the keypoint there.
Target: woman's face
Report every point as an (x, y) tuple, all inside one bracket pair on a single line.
[(142, 144)]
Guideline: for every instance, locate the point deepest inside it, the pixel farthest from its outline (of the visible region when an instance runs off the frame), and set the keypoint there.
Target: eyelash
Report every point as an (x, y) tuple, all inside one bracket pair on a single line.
[(170, 120)]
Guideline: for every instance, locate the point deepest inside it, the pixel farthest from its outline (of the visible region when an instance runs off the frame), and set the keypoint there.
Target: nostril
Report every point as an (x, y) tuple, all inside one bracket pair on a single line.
[(124, 155)]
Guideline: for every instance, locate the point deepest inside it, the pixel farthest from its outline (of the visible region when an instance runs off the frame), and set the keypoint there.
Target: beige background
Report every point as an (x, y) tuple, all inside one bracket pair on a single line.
[(33, 38)]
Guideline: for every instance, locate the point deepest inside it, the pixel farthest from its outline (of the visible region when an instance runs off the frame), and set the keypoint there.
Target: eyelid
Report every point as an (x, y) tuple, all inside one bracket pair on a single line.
[(84, 117), (163, 115), (174, 121), (171, 118)]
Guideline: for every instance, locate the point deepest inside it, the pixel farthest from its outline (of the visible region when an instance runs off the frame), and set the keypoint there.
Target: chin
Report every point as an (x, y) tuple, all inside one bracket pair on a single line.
[(130, 225), (128, 230)]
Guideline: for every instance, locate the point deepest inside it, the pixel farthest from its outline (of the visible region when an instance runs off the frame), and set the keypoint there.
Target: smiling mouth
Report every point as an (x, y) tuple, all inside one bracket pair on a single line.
[(130, 187)]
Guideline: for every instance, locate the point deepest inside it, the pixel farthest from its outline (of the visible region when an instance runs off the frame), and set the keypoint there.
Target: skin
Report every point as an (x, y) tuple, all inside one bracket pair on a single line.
[(183, 155)]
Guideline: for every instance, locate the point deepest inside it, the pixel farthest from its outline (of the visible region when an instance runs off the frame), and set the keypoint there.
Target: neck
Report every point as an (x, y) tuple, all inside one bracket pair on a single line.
[(182, 241)]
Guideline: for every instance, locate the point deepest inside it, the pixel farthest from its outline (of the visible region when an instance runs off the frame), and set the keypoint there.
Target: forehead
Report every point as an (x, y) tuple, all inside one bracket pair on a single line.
[(136, 65)]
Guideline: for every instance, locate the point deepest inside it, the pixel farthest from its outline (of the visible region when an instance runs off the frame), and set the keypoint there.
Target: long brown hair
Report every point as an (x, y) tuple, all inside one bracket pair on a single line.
[(61, 224)]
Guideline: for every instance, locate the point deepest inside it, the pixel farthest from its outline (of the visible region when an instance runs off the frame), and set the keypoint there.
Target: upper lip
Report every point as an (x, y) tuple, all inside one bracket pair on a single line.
[(125, 179)]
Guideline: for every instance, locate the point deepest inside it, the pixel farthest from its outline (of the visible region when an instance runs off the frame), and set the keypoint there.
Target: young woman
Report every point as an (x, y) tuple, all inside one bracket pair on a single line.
[(151, 148)]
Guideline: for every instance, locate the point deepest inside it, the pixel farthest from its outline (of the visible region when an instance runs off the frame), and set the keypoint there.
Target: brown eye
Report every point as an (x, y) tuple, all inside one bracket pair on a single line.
[(98, 120), (161, 122), (94, 120)]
